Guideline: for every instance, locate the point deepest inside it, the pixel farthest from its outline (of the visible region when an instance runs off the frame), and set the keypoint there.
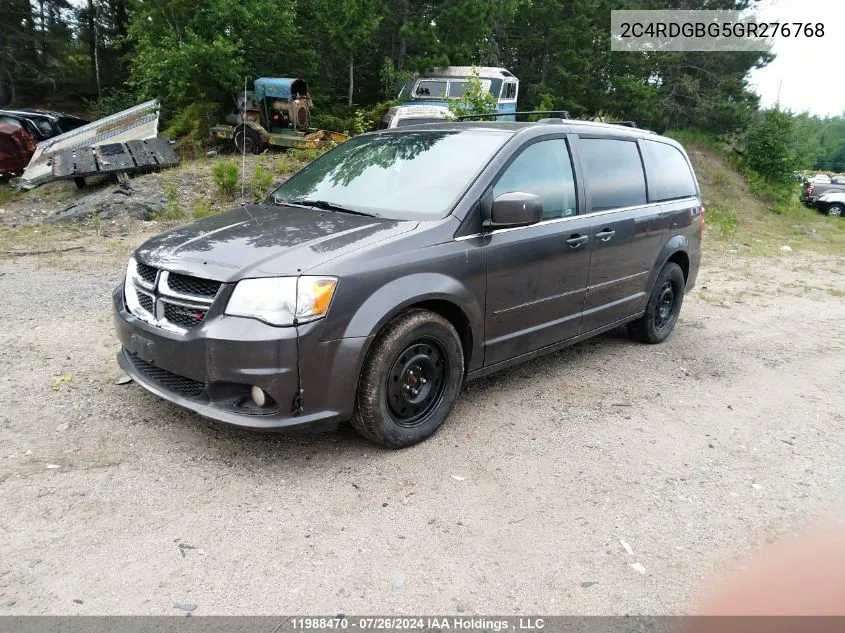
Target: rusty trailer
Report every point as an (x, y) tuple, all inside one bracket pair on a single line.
[(113, 158), (276, 114)]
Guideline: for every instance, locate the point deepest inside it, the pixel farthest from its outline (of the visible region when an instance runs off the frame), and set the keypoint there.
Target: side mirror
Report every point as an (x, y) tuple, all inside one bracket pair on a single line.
[(516, 208)]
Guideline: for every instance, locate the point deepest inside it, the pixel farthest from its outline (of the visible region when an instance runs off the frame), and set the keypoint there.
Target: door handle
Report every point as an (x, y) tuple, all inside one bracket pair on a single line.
[(605, 235), (576, 240)]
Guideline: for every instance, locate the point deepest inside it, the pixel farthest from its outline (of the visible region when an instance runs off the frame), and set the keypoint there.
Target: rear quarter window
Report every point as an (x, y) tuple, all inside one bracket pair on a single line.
[(669, 174), (67, 124), (613, 172)]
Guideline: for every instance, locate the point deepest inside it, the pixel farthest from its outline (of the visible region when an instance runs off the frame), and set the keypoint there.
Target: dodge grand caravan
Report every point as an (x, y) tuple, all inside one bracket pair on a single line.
[(374, 282)]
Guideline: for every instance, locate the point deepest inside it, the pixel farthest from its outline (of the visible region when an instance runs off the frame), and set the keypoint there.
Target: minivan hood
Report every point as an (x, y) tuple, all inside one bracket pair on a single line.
[(264, 240)]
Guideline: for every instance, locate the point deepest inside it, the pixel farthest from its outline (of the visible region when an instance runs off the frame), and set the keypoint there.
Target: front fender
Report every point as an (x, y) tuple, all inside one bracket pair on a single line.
[(397, 295)]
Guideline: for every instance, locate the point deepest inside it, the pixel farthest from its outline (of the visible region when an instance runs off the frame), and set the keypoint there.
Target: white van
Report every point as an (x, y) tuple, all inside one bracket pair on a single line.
[(400, 116)]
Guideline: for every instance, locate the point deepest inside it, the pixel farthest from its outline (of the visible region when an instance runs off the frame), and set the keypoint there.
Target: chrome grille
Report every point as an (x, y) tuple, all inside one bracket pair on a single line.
[(146, 301), (180, 315), (147, 273), (193, 285), (168, 300)]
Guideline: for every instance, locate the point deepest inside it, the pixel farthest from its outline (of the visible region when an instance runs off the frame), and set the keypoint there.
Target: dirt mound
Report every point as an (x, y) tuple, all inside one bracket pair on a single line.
[(111, 203)]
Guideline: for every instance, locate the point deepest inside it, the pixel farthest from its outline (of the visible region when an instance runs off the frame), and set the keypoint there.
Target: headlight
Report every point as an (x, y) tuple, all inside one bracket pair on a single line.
[(282, 300)]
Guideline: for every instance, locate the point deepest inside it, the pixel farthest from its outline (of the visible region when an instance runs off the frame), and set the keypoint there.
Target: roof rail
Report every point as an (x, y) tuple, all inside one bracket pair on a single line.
[(563, 114)]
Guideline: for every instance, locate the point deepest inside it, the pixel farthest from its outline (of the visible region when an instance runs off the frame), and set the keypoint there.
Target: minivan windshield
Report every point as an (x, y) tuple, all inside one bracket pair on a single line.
[(409, 175)]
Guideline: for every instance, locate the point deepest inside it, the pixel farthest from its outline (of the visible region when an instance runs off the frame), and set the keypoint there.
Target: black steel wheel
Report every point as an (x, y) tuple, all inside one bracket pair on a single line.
[(410, 380), (663, 308), (416, 381), (665, 305)]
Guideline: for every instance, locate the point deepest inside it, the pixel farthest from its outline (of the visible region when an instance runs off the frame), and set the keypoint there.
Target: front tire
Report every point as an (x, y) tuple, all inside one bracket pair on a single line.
[(835, 210), (410, 381), (664, 306)]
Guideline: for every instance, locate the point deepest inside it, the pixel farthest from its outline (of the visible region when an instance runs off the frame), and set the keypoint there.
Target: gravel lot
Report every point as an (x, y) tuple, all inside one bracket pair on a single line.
[(695, 453)]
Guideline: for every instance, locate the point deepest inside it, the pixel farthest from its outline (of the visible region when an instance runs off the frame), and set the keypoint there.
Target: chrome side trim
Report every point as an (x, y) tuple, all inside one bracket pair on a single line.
[(579, 216), (616, 281), (536, 302)]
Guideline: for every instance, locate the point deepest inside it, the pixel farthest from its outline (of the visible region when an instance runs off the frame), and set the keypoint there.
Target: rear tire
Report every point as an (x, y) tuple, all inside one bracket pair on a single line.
[(835, 210), (663, 308), (246, 137), (410, 381)]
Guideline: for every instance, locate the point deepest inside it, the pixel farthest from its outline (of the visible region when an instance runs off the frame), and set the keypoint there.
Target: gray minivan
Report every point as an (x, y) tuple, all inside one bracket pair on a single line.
[(374, 282)]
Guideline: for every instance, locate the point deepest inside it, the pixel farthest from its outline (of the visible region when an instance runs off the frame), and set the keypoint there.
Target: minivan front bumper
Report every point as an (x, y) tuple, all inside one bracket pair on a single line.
[(211, 369)]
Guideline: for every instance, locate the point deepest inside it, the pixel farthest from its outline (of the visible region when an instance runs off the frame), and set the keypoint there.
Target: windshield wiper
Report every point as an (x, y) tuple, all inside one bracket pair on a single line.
[(327, 206)]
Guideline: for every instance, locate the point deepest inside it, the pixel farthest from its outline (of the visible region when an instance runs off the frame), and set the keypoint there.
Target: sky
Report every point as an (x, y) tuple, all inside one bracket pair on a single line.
[(809, 72)]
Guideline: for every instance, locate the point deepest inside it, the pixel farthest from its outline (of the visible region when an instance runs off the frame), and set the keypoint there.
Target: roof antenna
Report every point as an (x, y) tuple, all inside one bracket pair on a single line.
[(243, 149)]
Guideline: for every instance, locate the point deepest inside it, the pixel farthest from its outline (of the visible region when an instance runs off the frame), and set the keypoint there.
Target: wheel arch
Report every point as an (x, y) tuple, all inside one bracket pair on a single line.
[(676, 250), (681, 258), (438, 293)]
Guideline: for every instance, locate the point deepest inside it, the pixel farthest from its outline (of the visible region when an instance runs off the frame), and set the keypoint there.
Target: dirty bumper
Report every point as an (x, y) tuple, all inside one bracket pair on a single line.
[(212, 368)]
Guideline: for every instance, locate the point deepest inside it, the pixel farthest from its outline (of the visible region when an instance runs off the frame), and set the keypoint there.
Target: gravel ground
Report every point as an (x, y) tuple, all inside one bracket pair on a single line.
[(695, 453)]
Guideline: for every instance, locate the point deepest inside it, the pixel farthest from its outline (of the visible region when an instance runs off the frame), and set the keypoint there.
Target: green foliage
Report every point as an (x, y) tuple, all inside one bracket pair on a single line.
[(304, 156), (203, 209), (356, 53), (367, 119), (9, 194), (780, 196), (347, 27), (186, 53), (392, 79), (770, 147), (262, 178), (192, 125), (820, 142), (475, 100), (224, 174), (353, 120), (110, 101), (172, 209), (722, 220)]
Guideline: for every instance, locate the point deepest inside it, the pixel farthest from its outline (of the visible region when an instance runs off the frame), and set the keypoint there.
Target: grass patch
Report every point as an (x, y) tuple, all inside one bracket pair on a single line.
[(752, 212), (172, 209), (224, 174), (203, 209), (722, 220), (262, 178), (835, 292), (8, 194)]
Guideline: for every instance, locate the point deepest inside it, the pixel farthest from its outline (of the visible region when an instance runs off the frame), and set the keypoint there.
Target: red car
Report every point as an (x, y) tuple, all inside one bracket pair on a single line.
[(16, 148)]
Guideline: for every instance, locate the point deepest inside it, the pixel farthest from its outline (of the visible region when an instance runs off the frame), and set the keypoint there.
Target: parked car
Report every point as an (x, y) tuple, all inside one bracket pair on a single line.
[(41, 124), (819, 179), (832, 203), (401, 116), (16, 148), (837, 180), (375, 281), (811, 191)]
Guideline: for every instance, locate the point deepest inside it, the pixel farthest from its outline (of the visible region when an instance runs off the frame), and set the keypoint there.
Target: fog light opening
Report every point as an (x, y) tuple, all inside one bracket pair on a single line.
[(258, 396)]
